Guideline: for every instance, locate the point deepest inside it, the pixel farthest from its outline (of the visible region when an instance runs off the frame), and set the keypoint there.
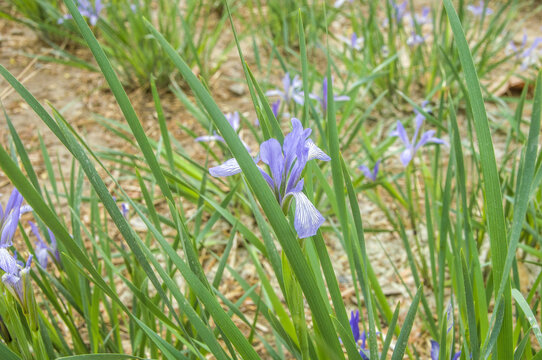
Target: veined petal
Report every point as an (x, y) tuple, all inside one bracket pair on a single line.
[(271, 154), (307, 218), (9, 227), (275, 92), (207, 138), (315, 152), (228, 168), (341, 98), (8, 262)]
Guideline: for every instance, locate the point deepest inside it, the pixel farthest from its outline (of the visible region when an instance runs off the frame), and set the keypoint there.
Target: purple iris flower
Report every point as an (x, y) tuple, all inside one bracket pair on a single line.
[(16, 277), (124, 208), (435, 351), (9, 218), (412, 146), (479, 10), (44, 250), (370, 174), (235, 122), (359, 338), (415, 39), (354, 42), (323, 99), (291, 90), (529, 55), (87, 10), (286, 164), (423, 18)]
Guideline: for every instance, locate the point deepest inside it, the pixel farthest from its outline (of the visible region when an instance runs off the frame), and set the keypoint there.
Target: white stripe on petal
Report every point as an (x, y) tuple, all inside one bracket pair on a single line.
[(307, 218), (230, 167), (315, 152)]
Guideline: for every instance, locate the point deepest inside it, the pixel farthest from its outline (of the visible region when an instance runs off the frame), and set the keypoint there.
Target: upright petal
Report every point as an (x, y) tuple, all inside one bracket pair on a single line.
[(457, 355), (271, 154), (401, 133), (354, 324), (307, 219), (228, 168)]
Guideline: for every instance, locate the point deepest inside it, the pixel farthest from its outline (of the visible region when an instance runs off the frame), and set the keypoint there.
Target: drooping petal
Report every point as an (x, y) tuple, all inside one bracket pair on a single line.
[(8, 262), (275, 92), (307, 219), (427, 137), (207, 138), (315, 152), (406, 156), (341, 98), (271, 154), (435, 349), (228, 168)]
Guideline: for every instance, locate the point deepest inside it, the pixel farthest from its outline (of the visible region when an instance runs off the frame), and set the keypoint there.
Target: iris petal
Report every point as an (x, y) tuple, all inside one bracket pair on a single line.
[(307, 219), (315, 152), (271, 154), (228, 168)]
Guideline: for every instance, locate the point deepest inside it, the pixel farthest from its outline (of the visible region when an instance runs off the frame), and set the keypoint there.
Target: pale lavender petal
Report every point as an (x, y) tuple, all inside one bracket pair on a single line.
[(228, 168), (401, 133), (307, 219), (315, 152), (457, 355), (271, 154), (366, 171), (341, 98), (406, 156), (274, 93), (8, 262), (207, 138), (234, 120), (275, 108)]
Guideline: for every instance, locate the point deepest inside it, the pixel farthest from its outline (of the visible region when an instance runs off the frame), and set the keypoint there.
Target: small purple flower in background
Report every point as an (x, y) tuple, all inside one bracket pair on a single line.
[(87, 10), (529, 56), (359, 338), (421, 19), (43, 250), (340, 3), (479, 10), (412, 146), (354, 42), (286, 164), (323, 99), (291, 90), (435, 351), (235, 122), (370, 174), (415, 39), (124, 208)]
